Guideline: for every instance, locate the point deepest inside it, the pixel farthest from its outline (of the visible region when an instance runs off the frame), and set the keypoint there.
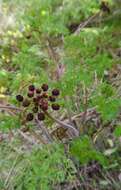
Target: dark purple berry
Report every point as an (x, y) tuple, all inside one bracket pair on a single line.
[(52, 98), (35, 100), (39, 97), (44, 87), (43, 101), (26, 103), (55, 106), (44, 106), (30, 94), (35, 109), (19, 98), (55, 92), (31, 87), (41, 116), (38, 91), (29, 117)]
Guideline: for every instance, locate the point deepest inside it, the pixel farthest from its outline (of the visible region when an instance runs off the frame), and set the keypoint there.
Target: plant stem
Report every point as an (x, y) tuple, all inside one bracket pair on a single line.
[(44, 130), (10, 107), (86, 22)]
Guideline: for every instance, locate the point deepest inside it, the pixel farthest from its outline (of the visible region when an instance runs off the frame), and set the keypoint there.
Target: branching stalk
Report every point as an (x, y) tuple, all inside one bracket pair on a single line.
[(65, 125)]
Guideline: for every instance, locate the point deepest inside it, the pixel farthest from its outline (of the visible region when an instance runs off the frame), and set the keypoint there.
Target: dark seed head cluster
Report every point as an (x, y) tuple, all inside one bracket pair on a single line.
[(38, 101)]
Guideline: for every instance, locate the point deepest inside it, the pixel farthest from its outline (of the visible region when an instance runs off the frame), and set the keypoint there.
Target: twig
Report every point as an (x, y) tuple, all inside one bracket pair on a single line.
[(89, 112), (82, 25)]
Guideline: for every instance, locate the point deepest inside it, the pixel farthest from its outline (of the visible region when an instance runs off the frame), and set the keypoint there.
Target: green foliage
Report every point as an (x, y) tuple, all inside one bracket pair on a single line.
[(44, 168), (117, 131), (108, 108), (106, 101), (7, 123), (83, 150)]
